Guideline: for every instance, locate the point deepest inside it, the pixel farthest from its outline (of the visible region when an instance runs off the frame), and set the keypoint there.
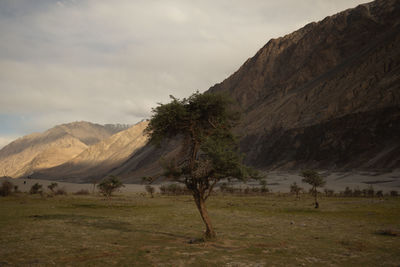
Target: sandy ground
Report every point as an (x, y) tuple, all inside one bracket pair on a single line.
[(278, 181)]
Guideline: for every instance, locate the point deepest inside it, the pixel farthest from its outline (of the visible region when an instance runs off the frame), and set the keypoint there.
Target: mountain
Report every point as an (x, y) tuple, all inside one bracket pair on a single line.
[(326, 96), (99, 159), (57, 145)]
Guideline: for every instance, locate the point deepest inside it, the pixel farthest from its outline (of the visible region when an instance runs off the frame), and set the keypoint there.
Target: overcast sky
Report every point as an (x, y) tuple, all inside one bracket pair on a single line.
[(110, 61)]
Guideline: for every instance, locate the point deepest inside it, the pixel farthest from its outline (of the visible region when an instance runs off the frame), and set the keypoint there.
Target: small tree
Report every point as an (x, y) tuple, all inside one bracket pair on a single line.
[(109, 185), (36, 189), (264, 188), (294, 188), (52, 186), (209, 151), (314, 179), (150, 190)]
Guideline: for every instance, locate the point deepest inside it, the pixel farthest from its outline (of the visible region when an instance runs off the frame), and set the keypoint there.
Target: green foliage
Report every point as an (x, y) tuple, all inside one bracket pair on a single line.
[(209, 151), (36, 189), (6, 188), (109, 185), (313, 178)]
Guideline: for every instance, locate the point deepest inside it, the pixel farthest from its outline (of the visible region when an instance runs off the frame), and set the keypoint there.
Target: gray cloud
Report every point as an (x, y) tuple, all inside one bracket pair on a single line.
[(111, 61)]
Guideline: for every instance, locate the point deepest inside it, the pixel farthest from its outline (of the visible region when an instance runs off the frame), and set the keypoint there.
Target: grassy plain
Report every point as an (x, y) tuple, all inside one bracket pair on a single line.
[(133, 230)]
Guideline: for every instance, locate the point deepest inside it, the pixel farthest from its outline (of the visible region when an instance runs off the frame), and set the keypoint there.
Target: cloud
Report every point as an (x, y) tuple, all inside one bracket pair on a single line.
[(111, 61)]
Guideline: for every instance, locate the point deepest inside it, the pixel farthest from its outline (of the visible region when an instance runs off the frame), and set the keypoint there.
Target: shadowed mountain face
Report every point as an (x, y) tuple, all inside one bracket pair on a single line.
[(51, 148), (327, 95)]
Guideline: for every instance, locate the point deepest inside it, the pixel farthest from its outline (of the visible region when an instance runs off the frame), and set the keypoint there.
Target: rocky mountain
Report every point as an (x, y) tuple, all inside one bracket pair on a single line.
[(325, 96), (99, 159), (51, 148)]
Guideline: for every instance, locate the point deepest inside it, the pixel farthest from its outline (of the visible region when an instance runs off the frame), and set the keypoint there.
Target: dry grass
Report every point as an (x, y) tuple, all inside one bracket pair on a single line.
[(252, 231)]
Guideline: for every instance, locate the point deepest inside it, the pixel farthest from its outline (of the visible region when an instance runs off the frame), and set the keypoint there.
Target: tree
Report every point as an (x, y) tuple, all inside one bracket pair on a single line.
[(36, 189), (150, 190), (294, 188), (315, 180), (109, 185), (52, 186), (209, 150), (6, 188)]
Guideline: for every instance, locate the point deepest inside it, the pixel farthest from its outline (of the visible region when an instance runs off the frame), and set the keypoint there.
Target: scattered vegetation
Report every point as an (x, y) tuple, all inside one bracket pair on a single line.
[(265, 230), (109, 185)]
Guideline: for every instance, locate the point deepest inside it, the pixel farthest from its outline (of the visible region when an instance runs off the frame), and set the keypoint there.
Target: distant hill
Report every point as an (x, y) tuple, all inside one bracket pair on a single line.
[(57, 145), (97, 160)]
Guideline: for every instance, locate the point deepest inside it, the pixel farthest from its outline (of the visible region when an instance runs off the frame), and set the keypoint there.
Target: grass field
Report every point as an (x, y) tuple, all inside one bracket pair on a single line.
[(133, 230)]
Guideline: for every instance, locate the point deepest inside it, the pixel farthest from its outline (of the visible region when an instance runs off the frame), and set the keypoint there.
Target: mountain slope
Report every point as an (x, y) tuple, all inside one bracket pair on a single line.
[(328, 76), (99, 159), (51, 148)]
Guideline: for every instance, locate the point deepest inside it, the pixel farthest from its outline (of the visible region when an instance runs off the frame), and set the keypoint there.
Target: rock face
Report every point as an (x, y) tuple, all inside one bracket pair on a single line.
[(327, 95), (37, 151)]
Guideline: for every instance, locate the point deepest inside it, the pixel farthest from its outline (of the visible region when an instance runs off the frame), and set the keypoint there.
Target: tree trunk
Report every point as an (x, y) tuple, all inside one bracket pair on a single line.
[(200, 203), (316, 201)]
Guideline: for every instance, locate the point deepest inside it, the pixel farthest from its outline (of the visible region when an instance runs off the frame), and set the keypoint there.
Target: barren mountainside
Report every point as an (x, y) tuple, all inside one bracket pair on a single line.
[(99, 159), (57, 145)]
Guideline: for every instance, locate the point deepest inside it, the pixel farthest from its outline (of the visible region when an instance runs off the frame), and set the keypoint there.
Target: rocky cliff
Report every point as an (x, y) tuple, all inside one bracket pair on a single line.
[(327, 95)]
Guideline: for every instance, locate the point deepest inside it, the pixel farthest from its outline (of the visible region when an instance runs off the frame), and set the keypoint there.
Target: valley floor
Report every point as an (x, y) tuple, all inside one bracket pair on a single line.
[(136, 230)]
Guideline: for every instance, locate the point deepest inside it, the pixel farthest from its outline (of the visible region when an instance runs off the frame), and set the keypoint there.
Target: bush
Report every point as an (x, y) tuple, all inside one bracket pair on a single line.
[(348, 192), (36, 189), (60, 191), (150, 190), (394, 193), (82, 192), (6, 188), (52, 186), (174, 189), (379, 193), (357, 192), (109, 185)]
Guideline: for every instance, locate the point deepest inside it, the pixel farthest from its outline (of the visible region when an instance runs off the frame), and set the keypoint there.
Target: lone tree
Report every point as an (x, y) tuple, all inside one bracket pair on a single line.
[(109, 185), (209, 151), (294, 188), (315, 180)]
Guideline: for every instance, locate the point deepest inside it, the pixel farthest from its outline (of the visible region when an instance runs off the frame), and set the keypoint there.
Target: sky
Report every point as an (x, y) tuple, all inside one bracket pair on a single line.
[(111, 61)]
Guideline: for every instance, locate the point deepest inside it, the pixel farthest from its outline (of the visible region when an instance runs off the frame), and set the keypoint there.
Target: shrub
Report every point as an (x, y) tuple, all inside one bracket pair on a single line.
[(36, 189), (348, 192), (379, 193), (370, 191), (82, 192), (109, 185), (6, 188), (357, 192), (52, 186), (394, 193), (60, 191), (174, 189), (150, 190)]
